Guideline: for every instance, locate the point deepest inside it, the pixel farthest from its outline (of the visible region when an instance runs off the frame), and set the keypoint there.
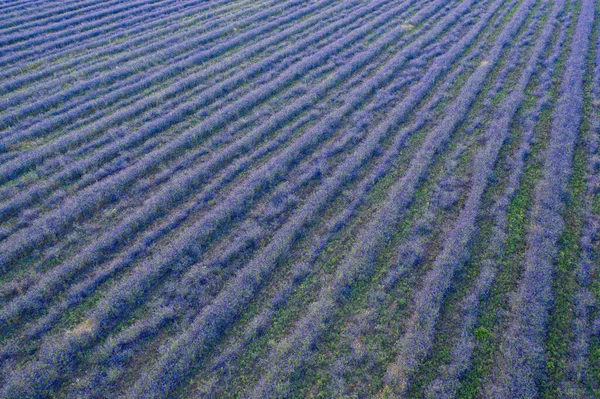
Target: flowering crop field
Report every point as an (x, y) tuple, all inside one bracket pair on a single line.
[(299, 199)]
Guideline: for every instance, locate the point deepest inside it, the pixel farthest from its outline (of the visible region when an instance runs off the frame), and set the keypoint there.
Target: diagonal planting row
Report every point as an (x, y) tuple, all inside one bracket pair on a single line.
[(469, 308), (76, 171), (417, 340), (417, 92), (578, 377), (276, 296), (23, 162), (111, 187), (43, 11), (167, 54), (176, 183), (352, 269), (60, 64), (166, 46), (521, 360), (13, 51), (378, 172), (154, 319), (144, 35), (299, 199), (415, 242), (183, 109)]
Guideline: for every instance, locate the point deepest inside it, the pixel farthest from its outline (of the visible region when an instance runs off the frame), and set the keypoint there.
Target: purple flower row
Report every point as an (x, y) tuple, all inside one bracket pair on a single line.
[(162, 261), (521, 362), (153, 128), (447, 383)]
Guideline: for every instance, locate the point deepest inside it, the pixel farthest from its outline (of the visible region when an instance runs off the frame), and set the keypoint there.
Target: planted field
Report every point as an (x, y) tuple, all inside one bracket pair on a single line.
[(300, 199)]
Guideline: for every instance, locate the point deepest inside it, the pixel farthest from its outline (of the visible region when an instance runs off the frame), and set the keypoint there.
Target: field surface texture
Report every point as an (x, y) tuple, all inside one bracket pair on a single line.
[(299, 199)]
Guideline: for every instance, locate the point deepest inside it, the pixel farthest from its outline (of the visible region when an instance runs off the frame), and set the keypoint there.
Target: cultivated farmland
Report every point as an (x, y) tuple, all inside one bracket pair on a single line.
[(299, 199)]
